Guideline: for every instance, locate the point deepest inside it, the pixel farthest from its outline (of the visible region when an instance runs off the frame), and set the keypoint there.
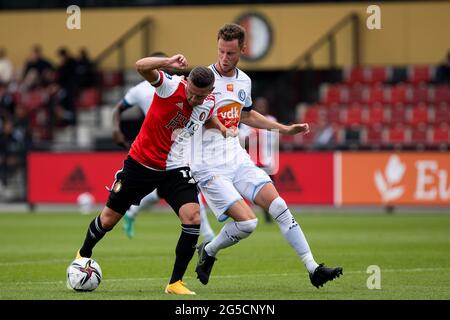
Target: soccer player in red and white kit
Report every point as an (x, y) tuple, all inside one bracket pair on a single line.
[(157, 158), (225, 183)]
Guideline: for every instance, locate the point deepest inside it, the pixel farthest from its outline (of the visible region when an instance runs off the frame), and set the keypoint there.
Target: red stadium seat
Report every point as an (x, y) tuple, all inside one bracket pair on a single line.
[(442, 114), (419, 115), (420, 94), (333, 115), (377, 94), (419, 135), (355, 75), (373, 136), (353, 115), (399, 94), (440, 135), (375, 115), (311, 114), (89, 98), (356, 93), (333, 94), (417, 74), (111, 79), (397, 114), (397, 135), (441, 94), (378, 74)]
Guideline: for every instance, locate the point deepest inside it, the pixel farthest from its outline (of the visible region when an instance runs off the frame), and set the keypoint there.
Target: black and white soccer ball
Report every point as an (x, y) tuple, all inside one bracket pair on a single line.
[(84, 274)]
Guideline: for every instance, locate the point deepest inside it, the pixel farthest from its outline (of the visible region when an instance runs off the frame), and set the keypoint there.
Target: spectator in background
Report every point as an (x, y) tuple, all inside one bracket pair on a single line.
[(37, 68), (67, 81), (6, 105), (6, 67), (443, 70), (85, 70)]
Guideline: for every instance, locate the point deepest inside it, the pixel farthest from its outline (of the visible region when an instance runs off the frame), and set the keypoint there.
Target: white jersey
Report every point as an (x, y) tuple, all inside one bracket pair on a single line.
[(232, 95), (140, 95)]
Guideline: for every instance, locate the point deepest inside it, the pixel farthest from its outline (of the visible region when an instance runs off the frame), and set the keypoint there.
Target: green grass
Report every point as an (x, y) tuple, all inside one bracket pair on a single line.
[(413, 252)]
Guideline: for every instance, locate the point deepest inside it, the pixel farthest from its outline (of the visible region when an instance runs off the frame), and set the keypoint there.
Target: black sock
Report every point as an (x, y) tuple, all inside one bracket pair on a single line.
[(185, 250), (94, 234)]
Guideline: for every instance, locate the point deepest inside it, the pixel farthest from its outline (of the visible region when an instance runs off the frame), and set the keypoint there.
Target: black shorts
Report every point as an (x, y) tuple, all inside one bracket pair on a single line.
[(135, 181)]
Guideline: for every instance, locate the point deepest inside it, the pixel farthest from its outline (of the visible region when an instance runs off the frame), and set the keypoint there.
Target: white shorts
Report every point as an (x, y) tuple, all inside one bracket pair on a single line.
[(224, 185)]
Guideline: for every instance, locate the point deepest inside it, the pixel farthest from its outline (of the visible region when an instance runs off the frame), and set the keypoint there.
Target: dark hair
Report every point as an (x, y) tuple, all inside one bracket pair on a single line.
[(231, 31), (202, 77)]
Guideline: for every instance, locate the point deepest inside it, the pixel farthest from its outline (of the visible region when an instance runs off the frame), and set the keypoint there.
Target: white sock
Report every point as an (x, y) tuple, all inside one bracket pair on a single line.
[(205, 228), (231, 233), (290, 229), (146, 201)]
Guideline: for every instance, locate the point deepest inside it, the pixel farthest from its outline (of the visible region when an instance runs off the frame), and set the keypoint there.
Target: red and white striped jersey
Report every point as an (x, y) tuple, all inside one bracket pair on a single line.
[(164, 139)]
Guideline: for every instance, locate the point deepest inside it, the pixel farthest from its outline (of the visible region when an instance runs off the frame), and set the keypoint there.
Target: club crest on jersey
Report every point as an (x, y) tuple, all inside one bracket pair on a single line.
[(179, 105), (117, 186), (230, 87), (241, 95)]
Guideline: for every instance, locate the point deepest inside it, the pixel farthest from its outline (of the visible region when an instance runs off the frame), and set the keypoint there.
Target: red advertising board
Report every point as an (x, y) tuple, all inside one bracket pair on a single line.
[(305, 178), (61, 177)]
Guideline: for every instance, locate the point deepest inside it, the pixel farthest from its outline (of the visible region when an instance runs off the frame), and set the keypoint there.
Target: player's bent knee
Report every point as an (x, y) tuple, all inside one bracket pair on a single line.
[(247, 227), (189, 213), (109, 218)]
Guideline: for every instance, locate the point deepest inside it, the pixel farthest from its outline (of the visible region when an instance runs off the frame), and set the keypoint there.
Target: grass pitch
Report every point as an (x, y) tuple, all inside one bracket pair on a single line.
[(412, 251)]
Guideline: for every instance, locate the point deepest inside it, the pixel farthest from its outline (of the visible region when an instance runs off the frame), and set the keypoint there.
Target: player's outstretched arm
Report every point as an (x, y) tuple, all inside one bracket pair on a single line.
[(148, 67), (254, 119), (118, 135)]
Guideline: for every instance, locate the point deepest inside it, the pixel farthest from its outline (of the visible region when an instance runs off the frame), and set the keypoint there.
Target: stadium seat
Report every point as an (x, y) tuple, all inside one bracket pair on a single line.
[(377, 94), (375, 115), (311, 114), (419, 135), (420, 93), (32, 100), (111, 79), (355, 93), (419, 73), (441, 94), (373, 136), (333, 115), (89, 98), (355, 75), (333, 94), (419, 114), (378, 74), (440, 135), (399, 94), (442, 114), (399, 74), (353, 115), (397, 114), (397, 135)]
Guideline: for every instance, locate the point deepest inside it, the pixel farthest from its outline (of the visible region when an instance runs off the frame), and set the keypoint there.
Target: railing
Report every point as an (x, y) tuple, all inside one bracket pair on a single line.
[(330, 39), (142, 26)]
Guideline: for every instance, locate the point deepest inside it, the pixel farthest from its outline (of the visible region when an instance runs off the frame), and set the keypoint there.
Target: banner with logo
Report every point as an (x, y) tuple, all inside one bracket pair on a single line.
[(394, 178), (61, 178), (305, 178)]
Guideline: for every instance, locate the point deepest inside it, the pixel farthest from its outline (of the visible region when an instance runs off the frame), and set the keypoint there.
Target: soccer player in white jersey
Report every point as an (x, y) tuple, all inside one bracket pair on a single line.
[(225, 183), (157, 159), (141, 96)]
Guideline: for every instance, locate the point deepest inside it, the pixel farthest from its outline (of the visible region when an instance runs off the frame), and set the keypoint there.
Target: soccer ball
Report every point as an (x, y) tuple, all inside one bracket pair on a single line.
[(86, 202), (84, 274)]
